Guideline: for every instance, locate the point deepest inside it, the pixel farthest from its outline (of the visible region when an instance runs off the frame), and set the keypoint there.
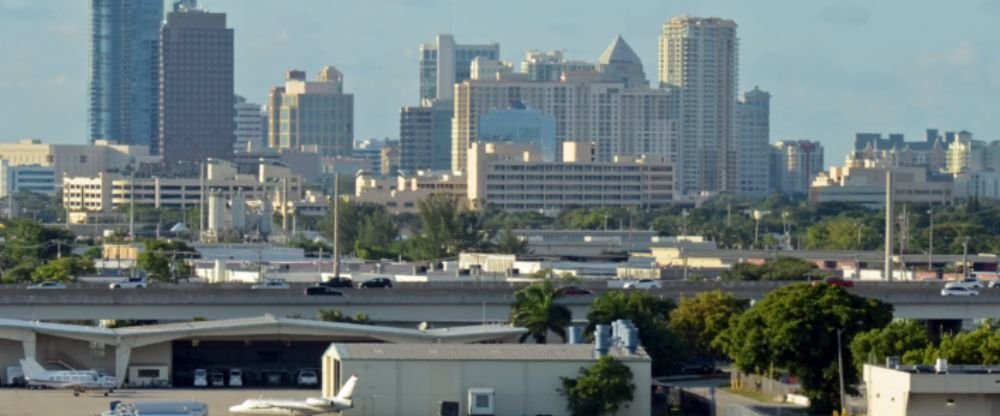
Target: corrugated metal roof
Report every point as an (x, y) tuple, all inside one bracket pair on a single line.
[(477, 352)]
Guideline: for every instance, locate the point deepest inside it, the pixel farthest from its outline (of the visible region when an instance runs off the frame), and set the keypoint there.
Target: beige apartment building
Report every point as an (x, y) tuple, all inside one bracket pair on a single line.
[(863, 181), (75, 159), (319, 113), (611, 105), (401, 194), (514, 177), (84, 196)]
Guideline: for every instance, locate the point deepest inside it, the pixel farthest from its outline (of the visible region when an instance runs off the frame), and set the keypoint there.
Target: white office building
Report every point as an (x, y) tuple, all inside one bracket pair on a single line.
[(794, 165), (250, 125), (752, 143)]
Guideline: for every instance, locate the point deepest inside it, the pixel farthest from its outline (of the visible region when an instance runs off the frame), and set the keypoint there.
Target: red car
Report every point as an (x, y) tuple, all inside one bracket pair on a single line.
[(837, 281)]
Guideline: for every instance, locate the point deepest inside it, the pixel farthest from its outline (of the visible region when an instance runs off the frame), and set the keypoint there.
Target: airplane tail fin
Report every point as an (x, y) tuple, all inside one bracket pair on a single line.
[(348, 388), (31, 368)]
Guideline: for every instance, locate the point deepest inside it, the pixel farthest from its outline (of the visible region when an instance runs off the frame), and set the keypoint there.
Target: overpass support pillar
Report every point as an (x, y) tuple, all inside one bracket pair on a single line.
[(123, 353)]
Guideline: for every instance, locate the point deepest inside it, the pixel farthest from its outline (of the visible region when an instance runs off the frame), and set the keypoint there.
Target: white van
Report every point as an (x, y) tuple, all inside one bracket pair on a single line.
[(201, 377), (235, 378)]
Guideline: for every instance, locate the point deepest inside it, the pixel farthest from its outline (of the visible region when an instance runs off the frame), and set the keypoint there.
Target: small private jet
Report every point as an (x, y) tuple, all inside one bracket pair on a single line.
[(80, 381), (307, 407)]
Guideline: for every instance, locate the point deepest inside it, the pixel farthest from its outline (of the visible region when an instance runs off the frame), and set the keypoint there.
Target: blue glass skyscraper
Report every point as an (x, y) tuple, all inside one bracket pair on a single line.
[(124, 65)]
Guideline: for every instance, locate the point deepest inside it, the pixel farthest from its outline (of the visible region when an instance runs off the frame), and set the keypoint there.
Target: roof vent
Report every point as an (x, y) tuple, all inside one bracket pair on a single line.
[(941, 366)]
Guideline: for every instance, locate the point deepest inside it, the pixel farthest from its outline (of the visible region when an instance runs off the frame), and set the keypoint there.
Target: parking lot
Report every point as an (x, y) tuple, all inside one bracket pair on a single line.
[(23, 402)]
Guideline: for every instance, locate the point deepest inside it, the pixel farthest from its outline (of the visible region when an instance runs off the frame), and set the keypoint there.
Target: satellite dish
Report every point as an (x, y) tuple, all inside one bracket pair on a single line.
[(179, 228)]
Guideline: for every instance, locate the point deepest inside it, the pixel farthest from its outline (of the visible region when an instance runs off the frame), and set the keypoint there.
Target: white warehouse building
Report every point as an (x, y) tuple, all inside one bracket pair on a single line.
[(497, 379)]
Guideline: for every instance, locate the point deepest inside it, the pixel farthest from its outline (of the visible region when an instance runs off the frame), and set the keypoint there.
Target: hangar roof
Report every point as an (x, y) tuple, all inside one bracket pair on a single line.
[(136, 336), (477, 352)]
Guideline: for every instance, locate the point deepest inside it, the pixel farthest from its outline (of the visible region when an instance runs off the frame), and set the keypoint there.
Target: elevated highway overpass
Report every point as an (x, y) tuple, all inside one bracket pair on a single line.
[(411, 304)]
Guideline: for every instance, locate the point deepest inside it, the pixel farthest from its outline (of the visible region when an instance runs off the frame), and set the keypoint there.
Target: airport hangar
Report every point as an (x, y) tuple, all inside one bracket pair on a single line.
[(169, 353)]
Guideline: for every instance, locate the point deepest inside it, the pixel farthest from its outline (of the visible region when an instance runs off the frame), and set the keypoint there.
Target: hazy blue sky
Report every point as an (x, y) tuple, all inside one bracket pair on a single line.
[(833, 67)]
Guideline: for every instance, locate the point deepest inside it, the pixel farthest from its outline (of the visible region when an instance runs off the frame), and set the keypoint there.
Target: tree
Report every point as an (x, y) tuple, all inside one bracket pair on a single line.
[(795, 328), (163, 260), (600, 389), (508, 243), (447, 229), (742, 271), (700, 319), (336, 315), (781, 268), (376, 236), (63, 269), (535, 308), (896, 339), (27, 245), (651, 316)]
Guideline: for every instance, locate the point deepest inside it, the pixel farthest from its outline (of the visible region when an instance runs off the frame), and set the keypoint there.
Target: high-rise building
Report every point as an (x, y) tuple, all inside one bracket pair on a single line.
[(249, 118), (520, 124), (425, 136), (795, 164), (700, 56), (196, 87), (549, 66), (312, 113), (621, 121), (752, 142), (389, 158), (619, 63), (445, 63), (124, 70)]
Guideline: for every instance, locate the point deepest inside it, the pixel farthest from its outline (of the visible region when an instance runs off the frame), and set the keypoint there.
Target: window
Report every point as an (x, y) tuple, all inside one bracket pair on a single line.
[(149, 373)]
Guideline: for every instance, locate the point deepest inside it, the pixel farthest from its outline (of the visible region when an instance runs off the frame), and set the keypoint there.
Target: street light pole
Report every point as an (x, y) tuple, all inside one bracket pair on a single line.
[(930, 242), (840, 366), (965, 258)]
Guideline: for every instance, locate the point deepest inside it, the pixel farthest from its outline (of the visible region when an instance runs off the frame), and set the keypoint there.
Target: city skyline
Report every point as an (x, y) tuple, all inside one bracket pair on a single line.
[(876, 68)]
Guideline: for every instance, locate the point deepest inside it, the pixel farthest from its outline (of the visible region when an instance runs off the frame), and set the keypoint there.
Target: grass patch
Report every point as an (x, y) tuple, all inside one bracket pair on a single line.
[(752, 395)]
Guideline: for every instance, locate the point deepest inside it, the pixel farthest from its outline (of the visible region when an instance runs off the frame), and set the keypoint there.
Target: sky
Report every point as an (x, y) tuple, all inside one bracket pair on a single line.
[(833, 67)]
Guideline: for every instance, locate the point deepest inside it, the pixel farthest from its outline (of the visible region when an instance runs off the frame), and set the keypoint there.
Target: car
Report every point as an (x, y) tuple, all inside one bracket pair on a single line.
[(699, 365), (336, 282), (835, 281), (48, 284), (271, 284), (130, 283), (322, 291), (970, 283), (218, 379), (641, 284), (958, 291), (378, 283), (993, 284), (573, 291), (200, 377), (235, 377), (307, 378)]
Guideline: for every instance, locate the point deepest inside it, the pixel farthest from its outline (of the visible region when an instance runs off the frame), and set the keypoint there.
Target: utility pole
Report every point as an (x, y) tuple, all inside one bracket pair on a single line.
[(336, 225), (201, 201), (887, 269)]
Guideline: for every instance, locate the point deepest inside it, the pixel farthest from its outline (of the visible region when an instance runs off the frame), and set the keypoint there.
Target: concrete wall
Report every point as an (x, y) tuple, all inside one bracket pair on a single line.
[(961, 405), (75, 353), (10, 353), (522, 388)]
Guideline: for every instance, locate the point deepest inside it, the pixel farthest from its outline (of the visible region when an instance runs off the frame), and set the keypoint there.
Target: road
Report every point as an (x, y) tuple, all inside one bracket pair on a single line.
[(455, 303)]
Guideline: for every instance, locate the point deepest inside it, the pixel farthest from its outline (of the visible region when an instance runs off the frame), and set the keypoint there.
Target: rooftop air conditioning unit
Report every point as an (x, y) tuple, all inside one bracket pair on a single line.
[(482, 401)]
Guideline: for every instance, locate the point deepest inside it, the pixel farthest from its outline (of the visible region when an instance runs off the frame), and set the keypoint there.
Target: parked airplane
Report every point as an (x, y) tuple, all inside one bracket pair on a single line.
[(79, 381), (307, 407)]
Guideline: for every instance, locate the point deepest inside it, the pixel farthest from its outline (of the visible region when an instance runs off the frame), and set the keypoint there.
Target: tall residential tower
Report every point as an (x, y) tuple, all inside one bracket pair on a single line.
[(700, 56), (124, 70), (445, 63), (312, 113)]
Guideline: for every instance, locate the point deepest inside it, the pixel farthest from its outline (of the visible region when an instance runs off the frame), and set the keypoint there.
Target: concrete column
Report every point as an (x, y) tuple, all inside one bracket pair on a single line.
[(123, 353), (29, 342)]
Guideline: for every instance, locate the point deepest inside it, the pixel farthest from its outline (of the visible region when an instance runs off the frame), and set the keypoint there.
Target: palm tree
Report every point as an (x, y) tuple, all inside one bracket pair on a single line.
[(535, 309)]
